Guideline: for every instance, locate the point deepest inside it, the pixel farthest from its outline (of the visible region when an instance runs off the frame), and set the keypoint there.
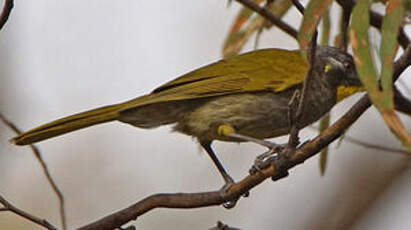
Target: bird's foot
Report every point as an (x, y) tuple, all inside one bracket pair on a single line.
[(264, 160), (228, 183)]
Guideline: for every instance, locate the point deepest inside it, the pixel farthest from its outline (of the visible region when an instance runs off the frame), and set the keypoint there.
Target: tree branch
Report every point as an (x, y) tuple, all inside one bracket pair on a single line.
[(401, 103), (8, 6), (376, 21), (275, 171), (344, 23), (9, 207), (299, 6), (50, 179), (376, 147), (204, 199), (370, 145)]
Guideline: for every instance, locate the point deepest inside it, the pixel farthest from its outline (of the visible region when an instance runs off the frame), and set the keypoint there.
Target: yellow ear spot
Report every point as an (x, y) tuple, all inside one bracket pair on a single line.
[(327, 67), (225, 130)]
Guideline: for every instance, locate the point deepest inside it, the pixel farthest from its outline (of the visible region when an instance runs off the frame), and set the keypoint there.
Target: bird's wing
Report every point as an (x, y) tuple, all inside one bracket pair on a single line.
[(269, 69)]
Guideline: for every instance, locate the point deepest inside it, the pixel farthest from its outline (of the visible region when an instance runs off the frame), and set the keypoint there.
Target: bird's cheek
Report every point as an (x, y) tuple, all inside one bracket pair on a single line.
[(334, 78), (353, 80)]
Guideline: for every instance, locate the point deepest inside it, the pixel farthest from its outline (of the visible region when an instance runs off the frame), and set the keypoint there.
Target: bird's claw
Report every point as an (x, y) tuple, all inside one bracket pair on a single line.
[(265, 159), (231, 204)]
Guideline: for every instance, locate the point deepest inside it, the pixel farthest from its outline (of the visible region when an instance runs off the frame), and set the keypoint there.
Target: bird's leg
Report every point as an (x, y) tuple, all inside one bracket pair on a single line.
[(227, 178), (271, 154)]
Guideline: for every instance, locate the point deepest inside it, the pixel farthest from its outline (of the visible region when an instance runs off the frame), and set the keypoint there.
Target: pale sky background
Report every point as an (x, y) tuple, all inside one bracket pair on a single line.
[(62, 57)]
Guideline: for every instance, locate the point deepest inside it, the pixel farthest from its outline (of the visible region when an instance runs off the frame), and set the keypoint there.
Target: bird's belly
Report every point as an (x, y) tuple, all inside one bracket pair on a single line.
[(259, 115)]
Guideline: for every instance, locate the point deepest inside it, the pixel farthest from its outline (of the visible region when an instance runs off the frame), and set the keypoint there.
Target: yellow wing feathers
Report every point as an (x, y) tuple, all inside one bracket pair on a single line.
[(260, 68), (249, 72)]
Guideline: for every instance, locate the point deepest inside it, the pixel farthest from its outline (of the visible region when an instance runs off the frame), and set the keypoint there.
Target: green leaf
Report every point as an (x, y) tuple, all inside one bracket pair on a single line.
[(361, 48), (324, 123), (388, 49), (312, 16), (244, 26), (383, 100)]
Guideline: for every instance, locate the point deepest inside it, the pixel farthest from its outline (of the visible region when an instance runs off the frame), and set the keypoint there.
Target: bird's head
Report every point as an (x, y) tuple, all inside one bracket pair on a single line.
[(337, 67)]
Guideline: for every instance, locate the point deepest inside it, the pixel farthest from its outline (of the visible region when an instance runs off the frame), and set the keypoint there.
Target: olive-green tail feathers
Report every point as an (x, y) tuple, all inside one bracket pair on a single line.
[(68, 124)]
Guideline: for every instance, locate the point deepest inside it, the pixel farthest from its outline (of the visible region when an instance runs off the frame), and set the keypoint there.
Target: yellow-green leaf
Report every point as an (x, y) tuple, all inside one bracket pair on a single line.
[(244, 27), (389, 31), (383, 100), (324, 123), (361, 48), (312, 16)]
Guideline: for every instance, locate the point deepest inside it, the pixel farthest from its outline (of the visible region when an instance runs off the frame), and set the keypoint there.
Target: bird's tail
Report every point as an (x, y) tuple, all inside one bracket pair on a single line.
[(68, 124)]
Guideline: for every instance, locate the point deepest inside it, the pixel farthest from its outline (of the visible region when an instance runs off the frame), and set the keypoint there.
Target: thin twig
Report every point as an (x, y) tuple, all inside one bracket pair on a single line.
[(376, 21), (50, 179), (295, 126), (377, 147), (370, 145), (299, 6), (344, 23), (403, 62), (9, 207), (257, 37), (293, 140), (401, 103), (4, 17), (270, 17)]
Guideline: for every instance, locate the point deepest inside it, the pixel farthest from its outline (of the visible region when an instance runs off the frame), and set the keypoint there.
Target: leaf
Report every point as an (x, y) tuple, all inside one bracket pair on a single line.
[(325, 28), (240, 33), (396, 126), (242, 17), (407, 6), (360, 44), (382, 99), (324, 123), (391, 23), (312, 16), (389, 46)]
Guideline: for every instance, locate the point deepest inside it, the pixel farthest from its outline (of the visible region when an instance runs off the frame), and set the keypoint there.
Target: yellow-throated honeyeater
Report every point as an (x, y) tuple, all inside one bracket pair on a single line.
[(248, 94)]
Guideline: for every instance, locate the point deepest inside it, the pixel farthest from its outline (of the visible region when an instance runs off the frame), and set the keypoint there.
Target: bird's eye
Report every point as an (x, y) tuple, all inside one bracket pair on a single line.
[(347, 65)]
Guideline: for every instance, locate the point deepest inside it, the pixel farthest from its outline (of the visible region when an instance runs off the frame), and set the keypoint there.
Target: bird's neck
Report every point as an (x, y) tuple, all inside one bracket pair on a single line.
[(320, 98)]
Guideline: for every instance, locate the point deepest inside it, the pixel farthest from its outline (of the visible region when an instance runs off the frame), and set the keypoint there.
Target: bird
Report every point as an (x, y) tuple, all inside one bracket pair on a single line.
[(240, 98)]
